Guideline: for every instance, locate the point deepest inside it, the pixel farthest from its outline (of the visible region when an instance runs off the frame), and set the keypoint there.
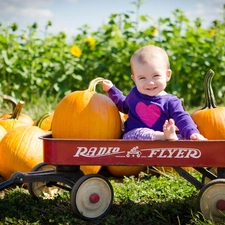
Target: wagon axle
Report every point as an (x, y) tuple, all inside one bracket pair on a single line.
[(94, 198), (220, 205)]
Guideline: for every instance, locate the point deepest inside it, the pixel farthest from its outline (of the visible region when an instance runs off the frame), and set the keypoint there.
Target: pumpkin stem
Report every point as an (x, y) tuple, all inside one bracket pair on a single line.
[(11, 100), (16, 112), (40, 120), (209, 95), (93, 83), (206, 92)]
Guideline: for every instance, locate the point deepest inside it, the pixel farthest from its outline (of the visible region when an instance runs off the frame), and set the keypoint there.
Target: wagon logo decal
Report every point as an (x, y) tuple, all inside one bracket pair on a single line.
[(175, 153)]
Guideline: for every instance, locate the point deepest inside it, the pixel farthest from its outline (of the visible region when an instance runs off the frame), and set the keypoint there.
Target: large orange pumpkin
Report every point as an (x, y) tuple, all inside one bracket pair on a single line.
[(210, 119), (86, 115), (20, 150)]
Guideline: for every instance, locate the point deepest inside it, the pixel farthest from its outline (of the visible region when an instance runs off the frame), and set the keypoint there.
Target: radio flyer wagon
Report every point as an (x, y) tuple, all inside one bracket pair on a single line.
[(91, 196)]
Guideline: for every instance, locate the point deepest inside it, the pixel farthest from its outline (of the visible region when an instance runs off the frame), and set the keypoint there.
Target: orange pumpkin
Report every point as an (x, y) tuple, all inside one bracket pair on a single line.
[(90, 169), (210, 119), (21, 150), (121, 171), (86, 115), (45, 121), (12, 121), (23, 117)]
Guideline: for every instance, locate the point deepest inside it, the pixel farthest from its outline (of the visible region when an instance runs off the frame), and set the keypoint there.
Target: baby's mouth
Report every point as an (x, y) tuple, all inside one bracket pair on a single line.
[(151, 89)]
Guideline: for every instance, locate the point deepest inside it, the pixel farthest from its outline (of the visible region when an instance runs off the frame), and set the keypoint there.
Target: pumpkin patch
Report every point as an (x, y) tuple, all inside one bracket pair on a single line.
[(86, 114)]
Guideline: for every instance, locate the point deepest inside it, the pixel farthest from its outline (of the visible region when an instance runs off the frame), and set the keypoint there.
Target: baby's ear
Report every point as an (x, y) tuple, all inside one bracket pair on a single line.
[(168, 74), (132, 77)]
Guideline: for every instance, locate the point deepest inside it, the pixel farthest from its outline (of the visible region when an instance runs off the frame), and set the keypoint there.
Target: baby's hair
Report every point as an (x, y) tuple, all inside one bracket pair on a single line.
[(147, 53)]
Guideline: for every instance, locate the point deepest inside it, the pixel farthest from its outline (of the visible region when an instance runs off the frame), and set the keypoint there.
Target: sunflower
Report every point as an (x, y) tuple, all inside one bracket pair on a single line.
[(76, 51), (91, 41), (212, 32)]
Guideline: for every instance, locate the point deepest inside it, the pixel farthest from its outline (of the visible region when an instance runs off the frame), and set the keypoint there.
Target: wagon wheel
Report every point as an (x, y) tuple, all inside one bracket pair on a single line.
[(91, 196), (211, 200), (41, 189)]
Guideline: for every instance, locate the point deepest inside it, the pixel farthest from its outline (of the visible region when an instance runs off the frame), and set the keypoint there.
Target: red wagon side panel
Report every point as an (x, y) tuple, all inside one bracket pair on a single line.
[(133, 152)]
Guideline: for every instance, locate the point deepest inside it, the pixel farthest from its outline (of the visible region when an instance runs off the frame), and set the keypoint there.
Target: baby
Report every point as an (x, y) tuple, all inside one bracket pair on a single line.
[(152, 112)]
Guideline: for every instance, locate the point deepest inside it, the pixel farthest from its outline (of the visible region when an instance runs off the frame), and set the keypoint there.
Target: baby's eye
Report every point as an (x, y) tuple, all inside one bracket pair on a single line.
[(141, 78)]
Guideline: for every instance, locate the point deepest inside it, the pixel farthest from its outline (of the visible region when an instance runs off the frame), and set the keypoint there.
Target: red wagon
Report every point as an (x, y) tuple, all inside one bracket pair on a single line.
[(92, 195)]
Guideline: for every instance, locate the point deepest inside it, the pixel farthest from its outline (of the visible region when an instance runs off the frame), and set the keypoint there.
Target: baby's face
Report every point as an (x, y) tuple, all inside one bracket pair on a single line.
[(151, 78)]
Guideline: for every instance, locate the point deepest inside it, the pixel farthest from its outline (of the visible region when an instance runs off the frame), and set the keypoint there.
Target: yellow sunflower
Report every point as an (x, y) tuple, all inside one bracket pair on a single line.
[(91, 41), (76, 51), (212, 32)]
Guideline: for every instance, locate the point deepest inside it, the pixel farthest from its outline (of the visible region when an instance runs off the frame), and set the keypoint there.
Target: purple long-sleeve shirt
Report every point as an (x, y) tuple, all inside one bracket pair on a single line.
[(152, 111)]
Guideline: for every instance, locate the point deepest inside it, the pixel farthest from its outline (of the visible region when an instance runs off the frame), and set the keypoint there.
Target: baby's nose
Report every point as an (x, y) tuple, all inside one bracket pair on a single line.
[(150, 81)]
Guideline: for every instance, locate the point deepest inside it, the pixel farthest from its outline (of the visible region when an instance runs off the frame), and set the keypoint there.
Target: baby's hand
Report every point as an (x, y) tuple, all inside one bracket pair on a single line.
[(197, 136), (106, 85)]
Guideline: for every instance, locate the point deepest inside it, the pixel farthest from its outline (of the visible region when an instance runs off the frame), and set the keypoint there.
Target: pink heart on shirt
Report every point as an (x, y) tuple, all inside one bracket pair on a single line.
[(148, 114)]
